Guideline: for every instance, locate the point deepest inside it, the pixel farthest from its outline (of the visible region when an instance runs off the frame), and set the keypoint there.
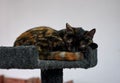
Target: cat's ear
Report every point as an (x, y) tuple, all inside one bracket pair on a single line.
[(69, 27), (91, 33)]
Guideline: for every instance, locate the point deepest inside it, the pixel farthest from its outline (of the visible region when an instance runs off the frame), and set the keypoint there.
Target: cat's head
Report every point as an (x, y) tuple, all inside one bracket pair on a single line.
[(69, 37), (78, 39), (87, 40)]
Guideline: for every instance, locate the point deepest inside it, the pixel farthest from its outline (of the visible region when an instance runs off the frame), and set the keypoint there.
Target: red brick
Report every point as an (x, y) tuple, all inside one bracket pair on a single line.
[(71, 81), (33, 80), (13, 80), (1, 79)]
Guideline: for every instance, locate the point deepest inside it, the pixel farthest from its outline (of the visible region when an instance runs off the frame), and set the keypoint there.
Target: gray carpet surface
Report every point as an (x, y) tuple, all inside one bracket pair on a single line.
[(26, 57)]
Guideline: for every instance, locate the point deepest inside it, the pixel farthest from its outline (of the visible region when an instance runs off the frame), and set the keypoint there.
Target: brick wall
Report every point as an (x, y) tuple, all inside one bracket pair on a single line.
[(14, 80), (1, 79)]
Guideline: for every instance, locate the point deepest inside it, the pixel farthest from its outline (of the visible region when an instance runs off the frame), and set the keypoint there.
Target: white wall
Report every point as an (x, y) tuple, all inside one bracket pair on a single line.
[(16, 16)]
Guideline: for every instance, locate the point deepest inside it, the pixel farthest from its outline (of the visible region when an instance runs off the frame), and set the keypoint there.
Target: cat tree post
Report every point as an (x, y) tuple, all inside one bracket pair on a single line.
[(52, 76), (26, 57)]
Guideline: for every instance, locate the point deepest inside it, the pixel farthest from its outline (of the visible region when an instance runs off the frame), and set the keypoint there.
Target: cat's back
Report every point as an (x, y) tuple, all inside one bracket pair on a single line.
[(34, 35)]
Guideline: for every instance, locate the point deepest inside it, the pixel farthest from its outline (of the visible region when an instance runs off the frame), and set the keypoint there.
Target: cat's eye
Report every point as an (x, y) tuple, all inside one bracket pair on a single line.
[(87, 40)]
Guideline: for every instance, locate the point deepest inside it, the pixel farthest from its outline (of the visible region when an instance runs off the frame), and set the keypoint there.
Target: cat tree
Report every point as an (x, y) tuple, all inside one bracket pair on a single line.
[(26, 57)]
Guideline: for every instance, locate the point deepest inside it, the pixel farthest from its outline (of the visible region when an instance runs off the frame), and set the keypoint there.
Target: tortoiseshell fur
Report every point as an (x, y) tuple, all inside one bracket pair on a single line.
[(49, 44), (66, 44)]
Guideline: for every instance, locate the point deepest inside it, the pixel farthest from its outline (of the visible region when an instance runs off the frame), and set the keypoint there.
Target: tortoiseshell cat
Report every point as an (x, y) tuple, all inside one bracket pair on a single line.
[(48, 43), (53, 44)]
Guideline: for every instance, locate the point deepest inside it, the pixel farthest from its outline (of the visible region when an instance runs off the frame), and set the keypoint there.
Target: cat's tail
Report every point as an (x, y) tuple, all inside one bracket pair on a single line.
[(68, 56)]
